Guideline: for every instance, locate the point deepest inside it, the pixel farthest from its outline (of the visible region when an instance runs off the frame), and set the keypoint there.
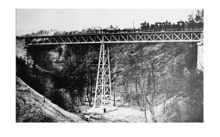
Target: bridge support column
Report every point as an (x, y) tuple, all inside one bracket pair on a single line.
[(25, 44), (103, 96), (200, 54)]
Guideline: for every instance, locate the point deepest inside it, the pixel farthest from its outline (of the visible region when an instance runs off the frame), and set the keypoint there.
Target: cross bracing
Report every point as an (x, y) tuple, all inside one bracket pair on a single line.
[(181, 36)]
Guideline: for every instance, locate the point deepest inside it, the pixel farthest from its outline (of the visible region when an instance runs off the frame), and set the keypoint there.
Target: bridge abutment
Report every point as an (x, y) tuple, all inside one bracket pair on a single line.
[(200, 54)]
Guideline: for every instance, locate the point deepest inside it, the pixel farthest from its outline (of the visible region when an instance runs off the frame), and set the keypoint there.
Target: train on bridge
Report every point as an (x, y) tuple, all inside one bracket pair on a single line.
[(167, 26), (144, 27), (157, 27)]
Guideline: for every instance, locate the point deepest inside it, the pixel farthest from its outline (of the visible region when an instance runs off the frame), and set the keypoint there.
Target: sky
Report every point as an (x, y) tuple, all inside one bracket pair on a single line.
[(33, 20)]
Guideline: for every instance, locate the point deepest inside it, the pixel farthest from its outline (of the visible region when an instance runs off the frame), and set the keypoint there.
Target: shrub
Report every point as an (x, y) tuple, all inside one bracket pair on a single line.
[(39, 118), (64, 100)]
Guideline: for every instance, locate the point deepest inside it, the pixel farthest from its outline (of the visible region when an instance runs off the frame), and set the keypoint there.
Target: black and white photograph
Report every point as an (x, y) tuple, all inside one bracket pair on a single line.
[(109, 65)]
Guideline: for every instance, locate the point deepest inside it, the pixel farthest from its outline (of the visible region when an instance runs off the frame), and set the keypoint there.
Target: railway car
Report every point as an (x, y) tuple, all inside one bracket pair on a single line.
[(126, 30)]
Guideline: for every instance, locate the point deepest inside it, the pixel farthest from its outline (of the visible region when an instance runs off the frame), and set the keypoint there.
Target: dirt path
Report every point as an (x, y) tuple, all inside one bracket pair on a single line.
[(121, 114)]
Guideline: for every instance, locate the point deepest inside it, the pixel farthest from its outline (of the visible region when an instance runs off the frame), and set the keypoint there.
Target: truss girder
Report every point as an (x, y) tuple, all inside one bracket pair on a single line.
[(103, 82), (115, 38)]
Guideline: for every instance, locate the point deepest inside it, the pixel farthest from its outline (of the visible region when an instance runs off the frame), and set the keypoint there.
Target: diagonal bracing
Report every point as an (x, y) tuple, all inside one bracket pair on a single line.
[(103, 82), (114, 38)]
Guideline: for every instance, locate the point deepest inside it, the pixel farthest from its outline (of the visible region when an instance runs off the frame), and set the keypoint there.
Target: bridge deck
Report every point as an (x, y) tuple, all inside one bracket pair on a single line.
[(142, 37)]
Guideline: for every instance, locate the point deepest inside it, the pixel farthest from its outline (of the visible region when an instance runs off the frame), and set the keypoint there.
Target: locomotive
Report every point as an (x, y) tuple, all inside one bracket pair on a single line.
[(167, 26)]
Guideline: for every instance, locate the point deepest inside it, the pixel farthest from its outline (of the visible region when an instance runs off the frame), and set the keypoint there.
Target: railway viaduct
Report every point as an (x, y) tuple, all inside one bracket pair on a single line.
[(103, 94)]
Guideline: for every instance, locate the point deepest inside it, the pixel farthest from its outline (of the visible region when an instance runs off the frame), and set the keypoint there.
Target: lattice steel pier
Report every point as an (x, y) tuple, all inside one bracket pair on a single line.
[(103, 95)]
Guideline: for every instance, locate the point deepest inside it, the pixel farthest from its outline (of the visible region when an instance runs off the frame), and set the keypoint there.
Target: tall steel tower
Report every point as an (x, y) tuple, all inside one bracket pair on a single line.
[(103, 95)]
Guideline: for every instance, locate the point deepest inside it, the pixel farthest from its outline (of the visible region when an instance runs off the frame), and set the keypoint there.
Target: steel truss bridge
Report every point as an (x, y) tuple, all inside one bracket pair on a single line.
[(152, 37), (103, 96)]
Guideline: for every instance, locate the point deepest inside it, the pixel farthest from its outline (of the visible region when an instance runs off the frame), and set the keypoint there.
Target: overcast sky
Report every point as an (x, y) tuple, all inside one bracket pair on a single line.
[(33, 20)]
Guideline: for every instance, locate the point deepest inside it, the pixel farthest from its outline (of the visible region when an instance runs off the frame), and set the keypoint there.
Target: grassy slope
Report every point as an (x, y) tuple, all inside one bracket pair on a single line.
[(29, 107)]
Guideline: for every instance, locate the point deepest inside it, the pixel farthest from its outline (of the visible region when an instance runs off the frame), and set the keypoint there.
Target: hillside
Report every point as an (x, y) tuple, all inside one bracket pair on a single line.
[(160, 81), (30, 107)]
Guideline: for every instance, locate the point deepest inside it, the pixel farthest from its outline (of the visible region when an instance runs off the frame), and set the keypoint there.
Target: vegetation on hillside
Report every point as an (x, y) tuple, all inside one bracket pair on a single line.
[(31, 108), (143, 76), (151, 74)]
